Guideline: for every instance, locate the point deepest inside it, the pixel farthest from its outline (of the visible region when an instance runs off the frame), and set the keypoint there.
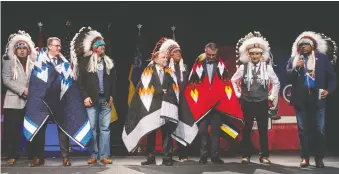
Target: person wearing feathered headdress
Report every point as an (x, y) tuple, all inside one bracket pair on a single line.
[(154, 105), (17, 64), (313, 79), (254, 75), (95, 74), (176, 63)]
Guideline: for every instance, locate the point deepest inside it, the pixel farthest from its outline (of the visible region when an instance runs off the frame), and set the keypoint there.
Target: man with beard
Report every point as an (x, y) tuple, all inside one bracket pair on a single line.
[(313, 79), (209, 76), (17, 64), (96, 79)]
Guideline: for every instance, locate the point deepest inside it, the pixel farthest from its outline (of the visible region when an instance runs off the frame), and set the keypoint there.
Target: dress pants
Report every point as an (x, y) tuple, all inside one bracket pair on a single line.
[(311, 121), (13, 120), (213, 117), (166, 141), (258, 110), (36, 148)]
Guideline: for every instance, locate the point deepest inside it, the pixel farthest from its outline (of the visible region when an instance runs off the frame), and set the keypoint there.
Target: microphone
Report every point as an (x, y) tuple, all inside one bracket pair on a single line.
[(301, 57)]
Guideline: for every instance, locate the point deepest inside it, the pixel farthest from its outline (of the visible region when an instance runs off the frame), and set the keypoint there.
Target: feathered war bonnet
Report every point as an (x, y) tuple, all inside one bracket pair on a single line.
[(171, 45), (252, 42), (320, 43), (18, 40), (84, 44), (157, 49)]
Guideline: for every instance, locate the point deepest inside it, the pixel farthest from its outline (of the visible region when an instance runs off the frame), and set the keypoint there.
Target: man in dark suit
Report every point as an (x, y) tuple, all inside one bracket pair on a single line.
[(97, 85), (37, 146), (213, 117), (313, 79)]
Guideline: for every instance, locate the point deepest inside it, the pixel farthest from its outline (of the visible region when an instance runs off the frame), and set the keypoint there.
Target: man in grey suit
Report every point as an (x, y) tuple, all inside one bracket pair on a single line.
[(17, 63)]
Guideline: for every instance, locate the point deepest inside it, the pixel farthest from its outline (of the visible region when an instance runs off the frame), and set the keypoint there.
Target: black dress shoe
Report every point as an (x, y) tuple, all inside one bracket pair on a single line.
[(305, 162), (203, 160), (150, 160), (167, 161), (217, 160), (183, 158), (319, 163)]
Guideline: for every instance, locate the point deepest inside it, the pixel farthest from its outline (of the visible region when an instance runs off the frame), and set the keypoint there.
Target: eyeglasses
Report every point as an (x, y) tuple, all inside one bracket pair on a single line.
[(56, 45)]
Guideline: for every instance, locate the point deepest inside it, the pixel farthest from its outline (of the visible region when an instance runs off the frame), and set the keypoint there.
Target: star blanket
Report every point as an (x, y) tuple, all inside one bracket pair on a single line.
[(202, 96), (152, 108), (53, 92)]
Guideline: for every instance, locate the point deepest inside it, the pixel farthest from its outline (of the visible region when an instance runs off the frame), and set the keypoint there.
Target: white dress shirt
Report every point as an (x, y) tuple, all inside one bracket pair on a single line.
[(54, 60), (271, 75), (158, 68)]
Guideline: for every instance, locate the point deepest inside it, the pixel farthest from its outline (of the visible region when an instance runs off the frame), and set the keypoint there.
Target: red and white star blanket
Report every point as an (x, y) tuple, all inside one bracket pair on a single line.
[(202, 96)]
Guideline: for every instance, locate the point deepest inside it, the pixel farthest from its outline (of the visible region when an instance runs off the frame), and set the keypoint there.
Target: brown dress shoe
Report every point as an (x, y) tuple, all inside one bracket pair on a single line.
[(106, 161), (11, 161), (304, 162), (264, 160), (91, 160), (36, 162), (66, 162)]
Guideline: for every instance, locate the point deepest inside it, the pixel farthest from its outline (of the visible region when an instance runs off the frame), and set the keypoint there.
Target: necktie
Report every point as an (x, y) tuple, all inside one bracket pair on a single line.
[(55, 61), (255, 67), (161, 75)]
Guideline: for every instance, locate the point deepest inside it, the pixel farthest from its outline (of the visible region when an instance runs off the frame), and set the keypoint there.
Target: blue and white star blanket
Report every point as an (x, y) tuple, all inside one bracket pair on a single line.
[(53, 92)]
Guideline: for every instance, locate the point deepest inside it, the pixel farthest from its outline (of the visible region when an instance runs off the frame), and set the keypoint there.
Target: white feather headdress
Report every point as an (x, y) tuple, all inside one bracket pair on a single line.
[(10, 51), (81, 46), (320, 43), (252, 40)]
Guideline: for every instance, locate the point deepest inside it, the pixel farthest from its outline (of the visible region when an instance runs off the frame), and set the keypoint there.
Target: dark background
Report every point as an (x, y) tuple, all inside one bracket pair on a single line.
[(197, 23)]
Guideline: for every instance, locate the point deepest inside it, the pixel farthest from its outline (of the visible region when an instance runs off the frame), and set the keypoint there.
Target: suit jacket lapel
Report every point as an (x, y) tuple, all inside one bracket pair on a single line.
[(316, 68), (204, 66)]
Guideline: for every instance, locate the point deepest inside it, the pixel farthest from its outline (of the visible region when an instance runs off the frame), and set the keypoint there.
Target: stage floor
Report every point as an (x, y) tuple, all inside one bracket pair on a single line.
[(131, 165)]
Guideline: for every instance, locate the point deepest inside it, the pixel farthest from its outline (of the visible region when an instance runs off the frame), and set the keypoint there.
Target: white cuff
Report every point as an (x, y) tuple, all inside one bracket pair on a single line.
[(271, 97)]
